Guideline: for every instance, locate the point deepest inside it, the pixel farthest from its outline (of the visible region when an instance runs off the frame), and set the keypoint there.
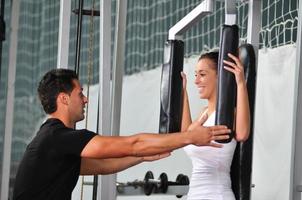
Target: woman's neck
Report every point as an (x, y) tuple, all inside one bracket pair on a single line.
[(211, 105)]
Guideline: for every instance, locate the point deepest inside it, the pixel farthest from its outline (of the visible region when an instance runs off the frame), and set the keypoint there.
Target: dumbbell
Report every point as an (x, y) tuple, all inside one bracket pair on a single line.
[(160, 184), (148, 184), (182, 180)]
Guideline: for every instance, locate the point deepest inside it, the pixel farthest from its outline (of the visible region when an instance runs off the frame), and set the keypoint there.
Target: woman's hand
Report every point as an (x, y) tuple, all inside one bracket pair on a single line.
[(184, 80), (236, 68), (242, 125), (186, 113)]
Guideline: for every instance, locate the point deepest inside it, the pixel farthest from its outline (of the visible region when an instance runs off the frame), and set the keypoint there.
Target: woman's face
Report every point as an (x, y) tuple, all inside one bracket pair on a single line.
[(205, 78)]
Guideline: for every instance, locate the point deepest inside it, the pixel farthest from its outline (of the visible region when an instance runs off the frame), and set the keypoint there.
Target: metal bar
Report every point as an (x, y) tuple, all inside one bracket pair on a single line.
[(2, 33), (64, 27), (108, 191), (95, 187), (87, 12), (104, 108), (79, 38), (230, 12), (203, 9), (10, 100), (123, 190), (131, 190), (2, 28), (296, 160), (253, 29), (118, 66), (254, 24)]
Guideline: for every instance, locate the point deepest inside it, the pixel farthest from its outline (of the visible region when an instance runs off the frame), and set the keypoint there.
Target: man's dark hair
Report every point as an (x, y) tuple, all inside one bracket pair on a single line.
[(54, 82), (213, 56)]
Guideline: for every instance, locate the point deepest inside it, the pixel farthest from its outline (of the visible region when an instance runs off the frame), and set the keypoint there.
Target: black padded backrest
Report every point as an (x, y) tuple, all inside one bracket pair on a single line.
[(242, 161), (226, 87), (171, 87)]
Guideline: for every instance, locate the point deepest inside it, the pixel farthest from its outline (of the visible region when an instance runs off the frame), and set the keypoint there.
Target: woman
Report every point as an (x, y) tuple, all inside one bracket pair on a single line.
[(210, 178)]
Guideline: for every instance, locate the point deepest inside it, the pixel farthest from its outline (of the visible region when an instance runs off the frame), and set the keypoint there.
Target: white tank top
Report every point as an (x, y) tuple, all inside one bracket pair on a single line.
[(210, 179)]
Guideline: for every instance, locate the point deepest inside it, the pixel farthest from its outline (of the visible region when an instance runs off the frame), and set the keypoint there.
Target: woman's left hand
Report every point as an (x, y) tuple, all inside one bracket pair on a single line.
[(236, 68)]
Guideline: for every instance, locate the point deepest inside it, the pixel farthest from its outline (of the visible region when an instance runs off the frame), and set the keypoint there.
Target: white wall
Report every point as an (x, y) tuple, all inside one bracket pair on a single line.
[(274, 123)]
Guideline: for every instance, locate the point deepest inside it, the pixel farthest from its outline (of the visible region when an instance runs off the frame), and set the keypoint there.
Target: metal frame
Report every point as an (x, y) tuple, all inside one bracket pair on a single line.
[(296, 159), (203, 9), (79, 37), (118, 65), (2, 33), (139, 191), (108, 183), (9, 120), (254, 24), (230, 12), (105, 190), (64, 28)]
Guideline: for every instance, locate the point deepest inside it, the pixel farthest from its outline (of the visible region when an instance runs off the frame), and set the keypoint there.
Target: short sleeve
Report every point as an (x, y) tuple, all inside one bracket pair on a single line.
[(70, 141)]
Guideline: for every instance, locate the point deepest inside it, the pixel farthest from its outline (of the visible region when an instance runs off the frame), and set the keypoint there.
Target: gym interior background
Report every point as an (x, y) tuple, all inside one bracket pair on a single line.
[(35, 51)]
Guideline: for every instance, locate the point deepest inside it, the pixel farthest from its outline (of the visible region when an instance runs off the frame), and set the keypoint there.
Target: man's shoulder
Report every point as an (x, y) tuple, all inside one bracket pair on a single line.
[(52, 122), (51, 125)]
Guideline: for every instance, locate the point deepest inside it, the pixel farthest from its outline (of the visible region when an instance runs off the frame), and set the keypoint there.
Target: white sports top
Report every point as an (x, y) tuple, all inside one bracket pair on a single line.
[(210, 179)]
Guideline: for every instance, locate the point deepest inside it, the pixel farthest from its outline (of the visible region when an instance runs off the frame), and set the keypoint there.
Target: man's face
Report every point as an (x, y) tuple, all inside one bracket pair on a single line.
[(77, 102)]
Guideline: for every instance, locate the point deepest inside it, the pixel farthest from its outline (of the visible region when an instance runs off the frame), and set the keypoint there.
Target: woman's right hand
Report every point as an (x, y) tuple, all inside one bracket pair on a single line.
[(186, 113), (236, 68), (184, 80)]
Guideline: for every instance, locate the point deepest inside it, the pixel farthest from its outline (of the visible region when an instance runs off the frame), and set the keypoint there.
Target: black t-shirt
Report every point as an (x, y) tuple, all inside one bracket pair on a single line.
[(51, 164)]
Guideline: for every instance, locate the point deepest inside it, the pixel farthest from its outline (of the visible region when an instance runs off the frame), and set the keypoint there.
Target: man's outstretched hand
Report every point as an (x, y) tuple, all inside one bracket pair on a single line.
[(204, 136)]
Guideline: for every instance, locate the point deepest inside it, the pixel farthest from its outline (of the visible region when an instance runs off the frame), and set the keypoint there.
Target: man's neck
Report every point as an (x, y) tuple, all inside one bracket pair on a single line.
[(66, 121)]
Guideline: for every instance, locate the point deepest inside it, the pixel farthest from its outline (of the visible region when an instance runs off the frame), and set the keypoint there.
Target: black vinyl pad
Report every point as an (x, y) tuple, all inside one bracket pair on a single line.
[(171, 87), (226, 87), (241, 168)]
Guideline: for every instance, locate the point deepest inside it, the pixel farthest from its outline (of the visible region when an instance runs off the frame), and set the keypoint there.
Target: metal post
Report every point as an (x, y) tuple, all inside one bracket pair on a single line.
[(254, 24), (10, 100), (79, 37), (296, 160), (104, 112), (64, 27), (118, 65), (2, 32), (230, 12), (108, 182)]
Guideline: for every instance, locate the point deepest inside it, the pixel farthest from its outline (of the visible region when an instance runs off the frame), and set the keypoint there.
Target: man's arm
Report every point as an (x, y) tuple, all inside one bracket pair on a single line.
[(146, 144), (92, 166)]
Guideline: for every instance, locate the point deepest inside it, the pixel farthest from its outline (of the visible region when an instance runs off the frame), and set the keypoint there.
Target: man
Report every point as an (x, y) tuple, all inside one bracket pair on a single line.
[(59, 154)]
